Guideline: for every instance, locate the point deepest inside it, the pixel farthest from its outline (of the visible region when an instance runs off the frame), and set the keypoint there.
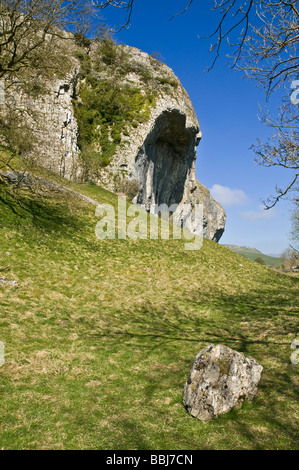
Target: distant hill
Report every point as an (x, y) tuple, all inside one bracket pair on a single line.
[(253, 253), (243, 249)]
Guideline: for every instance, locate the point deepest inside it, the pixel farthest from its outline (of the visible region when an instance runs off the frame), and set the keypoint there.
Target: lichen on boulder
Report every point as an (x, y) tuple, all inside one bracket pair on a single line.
[(221, 379)]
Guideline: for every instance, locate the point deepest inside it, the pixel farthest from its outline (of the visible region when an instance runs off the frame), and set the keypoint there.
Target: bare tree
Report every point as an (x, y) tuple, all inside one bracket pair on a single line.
[(29, 30), (126, 6), (290, 258), (295, 224), (271, 55), (282, 148), (264, 37), (33, 46)]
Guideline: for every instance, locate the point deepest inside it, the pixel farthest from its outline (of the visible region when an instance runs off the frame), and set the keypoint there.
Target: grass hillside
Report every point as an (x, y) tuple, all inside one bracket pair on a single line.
[(100, 336), (252, 253)]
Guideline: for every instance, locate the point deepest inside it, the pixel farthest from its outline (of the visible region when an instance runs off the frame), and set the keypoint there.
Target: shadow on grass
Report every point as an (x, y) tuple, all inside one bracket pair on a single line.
[(26, 209), (236, 320), (258, 323), (270, 422)]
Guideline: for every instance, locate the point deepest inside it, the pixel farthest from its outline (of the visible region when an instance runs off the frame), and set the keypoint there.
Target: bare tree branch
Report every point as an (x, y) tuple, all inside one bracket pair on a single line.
[(29, 30), (282, 148), (120, 4)]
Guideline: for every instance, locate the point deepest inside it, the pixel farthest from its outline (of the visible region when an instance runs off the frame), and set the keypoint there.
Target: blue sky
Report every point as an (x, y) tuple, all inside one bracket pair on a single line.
[(227, 109)]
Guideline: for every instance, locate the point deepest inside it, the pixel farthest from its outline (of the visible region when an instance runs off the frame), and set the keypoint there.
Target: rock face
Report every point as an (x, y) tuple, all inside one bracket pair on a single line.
[(57, 135), (44, 104), (51, 118), (214, 217), (159, 155), (220, 380)]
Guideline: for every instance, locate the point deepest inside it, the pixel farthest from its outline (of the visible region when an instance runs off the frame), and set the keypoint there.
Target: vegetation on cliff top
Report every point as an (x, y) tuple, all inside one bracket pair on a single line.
[(107, 106), (109, 102)]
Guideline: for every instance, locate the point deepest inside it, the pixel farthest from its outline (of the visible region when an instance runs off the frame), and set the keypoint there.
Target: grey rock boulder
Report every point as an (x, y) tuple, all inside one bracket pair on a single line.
[(221, 379)]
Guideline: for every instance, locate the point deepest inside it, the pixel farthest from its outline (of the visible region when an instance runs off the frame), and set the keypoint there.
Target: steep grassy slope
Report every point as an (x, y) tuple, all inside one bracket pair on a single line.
[(100, 335)]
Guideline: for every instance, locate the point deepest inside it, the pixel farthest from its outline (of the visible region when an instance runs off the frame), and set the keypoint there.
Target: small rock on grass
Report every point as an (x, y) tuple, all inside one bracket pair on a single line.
[(221, 379)]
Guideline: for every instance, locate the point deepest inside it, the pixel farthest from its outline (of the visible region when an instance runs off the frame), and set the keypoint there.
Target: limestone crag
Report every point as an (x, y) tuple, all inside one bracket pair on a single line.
[(214, 216), (159, 154), (51, 118)]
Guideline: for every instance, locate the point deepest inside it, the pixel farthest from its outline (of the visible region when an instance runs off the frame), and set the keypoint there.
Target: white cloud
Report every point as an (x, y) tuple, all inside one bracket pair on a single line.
[(260, 214), (229, 197)]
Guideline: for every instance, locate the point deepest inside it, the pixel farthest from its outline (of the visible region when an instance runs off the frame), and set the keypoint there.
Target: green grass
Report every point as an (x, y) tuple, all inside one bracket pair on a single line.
[(100, 335)]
